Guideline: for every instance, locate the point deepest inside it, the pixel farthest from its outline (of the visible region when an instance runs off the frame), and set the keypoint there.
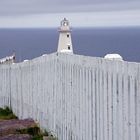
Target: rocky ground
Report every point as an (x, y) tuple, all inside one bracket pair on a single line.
[(15, 129), (11, 128), (16, 137)]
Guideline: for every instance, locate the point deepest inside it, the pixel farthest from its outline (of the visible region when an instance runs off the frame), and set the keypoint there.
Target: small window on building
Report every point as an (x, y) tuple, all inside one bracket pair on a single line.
[(67, 35), (68, 47)]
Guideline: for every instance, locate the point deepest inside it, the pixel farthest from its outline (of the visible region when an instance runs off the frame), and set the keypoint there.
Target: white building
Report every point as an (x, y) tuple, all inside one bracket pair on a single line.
[(113, 57), (8, 59), (65, 41)]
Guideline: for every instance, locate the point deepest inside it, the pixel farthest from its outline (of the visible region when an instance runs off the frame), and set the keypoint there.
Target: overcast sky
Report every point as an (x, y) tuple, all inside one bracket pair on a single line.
[(83, 13)]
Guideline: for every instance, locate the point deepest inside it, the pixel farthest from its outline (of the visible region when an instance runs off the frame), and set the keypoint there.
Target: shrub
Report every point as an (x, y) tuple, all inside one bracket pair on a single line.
[(7, 113)]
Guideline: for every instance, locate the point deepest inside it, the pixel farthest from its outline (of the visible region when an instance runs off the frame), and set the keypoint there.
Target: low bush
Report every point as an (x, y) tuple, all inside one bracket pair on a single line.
[(7, 114)]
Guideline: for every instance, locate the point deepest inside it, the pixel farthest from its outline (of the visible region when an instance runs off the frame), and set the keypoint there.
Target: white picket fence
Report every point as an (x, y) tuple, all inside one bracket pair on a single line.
[(75, 97)]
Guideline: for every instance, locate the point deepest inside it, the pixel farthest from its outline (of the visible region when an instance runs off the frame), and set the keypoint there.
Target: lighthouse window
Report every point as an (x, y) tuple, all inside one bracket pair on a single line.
[(65, 23), (68, 47), (67, 35)]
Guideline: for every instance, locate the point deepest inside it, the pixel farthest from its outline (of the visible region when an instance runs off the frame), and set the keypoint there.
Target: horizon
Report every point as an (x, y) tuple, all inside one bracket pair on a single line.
[(32, 43)]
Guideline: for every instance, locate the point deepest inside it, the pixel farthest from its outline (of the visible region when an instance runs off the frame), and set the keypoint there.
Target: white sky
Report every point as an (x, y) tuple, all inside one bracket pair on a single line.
[(89, 13)]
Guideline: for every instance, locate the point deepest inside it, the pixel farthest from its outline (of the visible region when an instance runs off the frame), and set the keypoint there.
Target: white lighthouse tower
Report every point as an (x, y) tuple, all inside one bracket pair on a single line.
[(65, 42)]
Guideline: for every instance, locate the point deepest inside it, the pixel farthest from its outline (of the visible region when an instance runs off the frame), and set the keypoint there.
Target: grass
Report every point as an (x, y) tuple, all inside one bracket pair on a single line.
[(6, 114), (33, 131), (37, 137)]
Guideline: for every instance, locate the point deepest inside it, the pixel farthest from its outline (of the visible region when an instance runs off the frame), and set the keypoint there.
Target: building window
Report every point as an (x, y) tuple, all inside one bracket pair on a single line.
[(67, 35), (68, 47)]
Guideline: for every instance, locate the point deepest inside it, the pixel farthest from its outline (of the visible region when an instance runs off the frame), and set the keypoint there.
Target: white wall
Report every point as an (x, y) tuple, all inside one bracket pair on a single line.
[(77, 97)]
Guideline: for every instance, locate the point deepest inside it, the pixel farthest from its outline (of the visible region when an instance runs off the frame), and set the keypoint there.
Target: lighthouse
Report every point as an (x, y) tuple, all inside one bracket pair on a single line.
[(65, 42)]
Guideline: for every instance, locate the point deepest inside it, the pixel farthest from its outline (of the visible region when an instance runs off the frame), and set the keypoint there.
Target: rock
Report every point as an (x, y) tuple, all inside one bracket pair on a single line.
[(15, 126), (16, 137), (48, 138)]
